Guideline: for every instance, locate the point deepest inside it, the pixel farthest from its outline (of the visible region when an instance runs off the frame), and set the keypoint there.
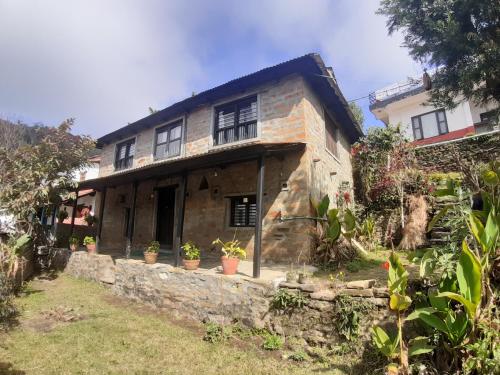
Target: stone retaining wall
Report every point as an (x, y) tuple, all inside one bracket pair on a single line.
[(224, 299)]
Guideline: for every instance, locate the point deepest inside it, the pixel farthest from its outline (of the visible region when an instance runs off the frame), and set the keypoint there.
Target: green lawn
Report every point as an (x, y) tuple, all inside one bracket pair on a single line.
[(115, 336)]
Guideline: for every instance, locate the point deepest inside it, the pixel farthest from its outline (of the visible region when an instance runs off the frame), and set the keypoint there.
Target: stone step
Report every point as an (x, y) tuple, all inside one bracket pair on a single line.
[(439, 241), (440, 234)]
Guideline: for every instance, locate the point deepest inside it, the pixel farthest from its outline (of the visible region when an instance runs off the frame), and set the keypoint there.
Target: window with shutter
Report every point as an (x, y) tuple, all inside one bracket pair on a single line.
[(331, 135), (236, 121), (168, 140), (243, 211), (124, 156), (429, 124)]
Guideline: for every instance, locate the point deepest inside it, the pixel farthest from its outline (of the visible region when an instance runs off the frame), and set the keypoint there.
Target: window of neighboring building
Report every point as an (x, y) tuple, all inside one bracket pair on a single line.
[(236, 121), (243, 211), (429, 124), (125, 154), (168, 140), (331, 135)]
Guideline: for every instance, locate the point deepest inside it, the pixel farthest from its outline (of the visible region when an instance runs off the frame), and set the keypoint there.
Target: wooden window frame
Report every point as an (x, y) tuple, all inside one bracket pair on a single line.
[(329, 120), (128, 160), (438, 124), (233, 200), (168, 127), (236, 106)]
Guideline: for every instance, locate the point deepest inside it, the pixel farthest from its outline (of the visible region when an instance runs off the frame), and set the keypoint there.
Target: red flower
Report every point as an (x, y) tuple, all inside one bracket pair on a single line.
[(385, 266), (337, 194), (347, 197)]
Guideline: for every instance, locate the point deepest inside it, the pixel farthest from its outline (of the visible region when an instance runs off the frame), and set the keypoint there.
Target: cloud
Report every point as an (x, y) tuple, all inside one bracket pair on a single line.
[(106, 61)]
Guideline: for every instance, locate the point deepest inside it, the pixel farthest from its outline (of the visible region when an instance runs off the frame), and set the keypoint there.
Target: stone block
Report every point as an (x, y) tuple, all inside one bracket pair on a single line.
[(379, 301), (381, 292), (360, 284), (357, 292), (324, 295)]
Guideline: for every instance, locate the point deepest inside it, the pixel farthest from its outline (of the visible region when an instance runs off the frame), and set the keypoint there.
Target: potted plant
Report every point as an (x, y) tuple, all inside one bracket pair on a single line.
[(89, 242), (191, 258), (232, 255), (62, 215), (304, 276), (74, 243), (151, 253), (90, 220)]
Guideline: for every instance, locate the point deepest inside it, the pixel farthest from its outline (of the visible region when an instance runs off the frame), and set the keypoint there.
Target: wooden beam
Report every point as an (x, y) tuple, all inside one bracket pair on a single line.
[(130, 231), (100, 218), (258, 221), (180, 219), (73, 214)]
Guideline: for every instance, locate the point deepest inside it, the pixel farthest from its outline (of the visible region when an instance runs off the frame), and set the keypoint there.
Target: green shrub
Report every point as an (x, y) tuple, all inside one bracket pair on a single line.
[(298, 356), (7, 308), (273, 342), (216, 333), (74, 240), (284, 300)]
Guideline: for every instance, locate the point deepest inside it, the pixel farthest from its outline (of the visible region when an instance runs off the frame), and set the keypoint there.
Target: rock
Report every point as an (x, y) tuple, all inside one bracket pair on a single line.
[(309, 288), (324, 295), (378, 301), (381, 292), (290, 285), (360, 284), (320, 305), (357, 292)]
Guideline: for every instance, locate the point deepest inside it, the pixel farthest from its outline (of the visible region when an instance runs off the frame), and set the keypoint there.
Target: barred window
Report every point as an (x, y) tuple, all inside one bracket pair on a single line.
[(236, 121), (243, 211)]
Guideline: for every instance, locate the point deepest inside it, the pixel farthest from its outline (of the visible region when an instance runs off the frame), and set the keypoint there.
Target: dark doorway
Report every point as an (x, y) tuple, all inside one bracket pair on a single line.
[(165, 218)]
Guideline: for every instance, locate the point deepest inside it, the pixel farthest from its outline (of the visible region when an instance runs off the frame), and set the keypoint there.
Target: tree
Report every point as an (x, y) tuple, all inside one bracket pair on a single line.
[(35, 175), (357, 113), (459, 37)]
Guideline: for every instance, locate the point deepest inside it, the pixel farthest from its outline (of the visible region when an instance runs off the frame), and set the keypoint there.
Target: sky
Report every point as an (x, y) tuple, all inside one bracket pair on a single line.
[(105, 62)]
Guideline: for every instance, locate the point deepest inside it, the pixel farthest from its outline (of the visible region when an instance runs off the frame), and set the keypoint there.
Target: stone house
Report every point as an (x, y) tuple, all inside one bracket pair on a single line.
[(230, 161)]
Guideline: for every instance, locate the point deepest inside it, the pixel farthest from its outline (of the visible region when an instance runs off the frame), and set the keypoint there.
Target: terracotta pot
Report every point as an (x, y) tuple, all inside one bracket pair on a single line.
[(191, 264), (91, 248), (72, 247), (229, 265), (150, 258)]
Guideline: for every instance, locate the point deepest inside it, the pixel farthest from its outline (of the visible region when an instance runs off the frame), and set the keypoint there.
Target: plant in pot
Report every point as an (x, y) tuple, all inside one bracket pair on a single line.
[(74, 243), (62, 215), (191, 258), (232, 255), (90, 220), (89, 242), (151, 253)]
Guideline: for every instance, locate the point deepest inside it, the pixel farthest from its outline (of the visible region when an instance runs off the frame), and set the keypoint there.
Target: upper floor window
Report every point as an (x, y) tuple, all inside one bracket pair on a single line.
[(125, 154), (236, 121), (168, 140), (331, 132), (429, 124)]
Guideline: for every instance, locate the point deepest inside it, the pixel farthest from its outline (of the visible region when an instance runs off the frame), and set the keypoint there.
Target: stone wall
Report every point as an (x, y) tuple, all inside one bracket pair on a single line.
[(442, 157), (327, 171), (226, 299)]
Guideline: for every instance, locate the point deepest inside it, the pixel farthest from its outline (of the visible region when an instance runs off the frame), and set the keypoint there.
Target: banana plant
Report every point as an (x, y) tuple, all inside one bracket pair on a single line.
[(399, 302), (336, 223)]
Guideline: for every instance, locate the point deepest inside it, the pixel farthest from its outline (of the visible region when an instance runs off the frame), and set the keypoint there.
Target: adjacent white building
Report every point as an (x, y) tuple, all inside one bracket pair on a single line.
[(405, 103)]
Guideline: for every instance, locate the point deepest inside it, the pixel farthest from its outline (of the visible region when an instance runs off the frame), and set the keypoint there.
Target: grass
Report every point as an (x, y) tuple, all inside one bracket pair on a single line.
[(369, 267), (114, 336)]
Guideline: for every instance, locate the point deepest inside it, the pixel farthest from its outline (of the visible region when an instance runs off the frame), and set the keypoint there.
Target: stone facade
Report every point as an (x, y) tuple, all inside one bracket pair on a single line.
[(223, 299), (288, 111), (442, 157)]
